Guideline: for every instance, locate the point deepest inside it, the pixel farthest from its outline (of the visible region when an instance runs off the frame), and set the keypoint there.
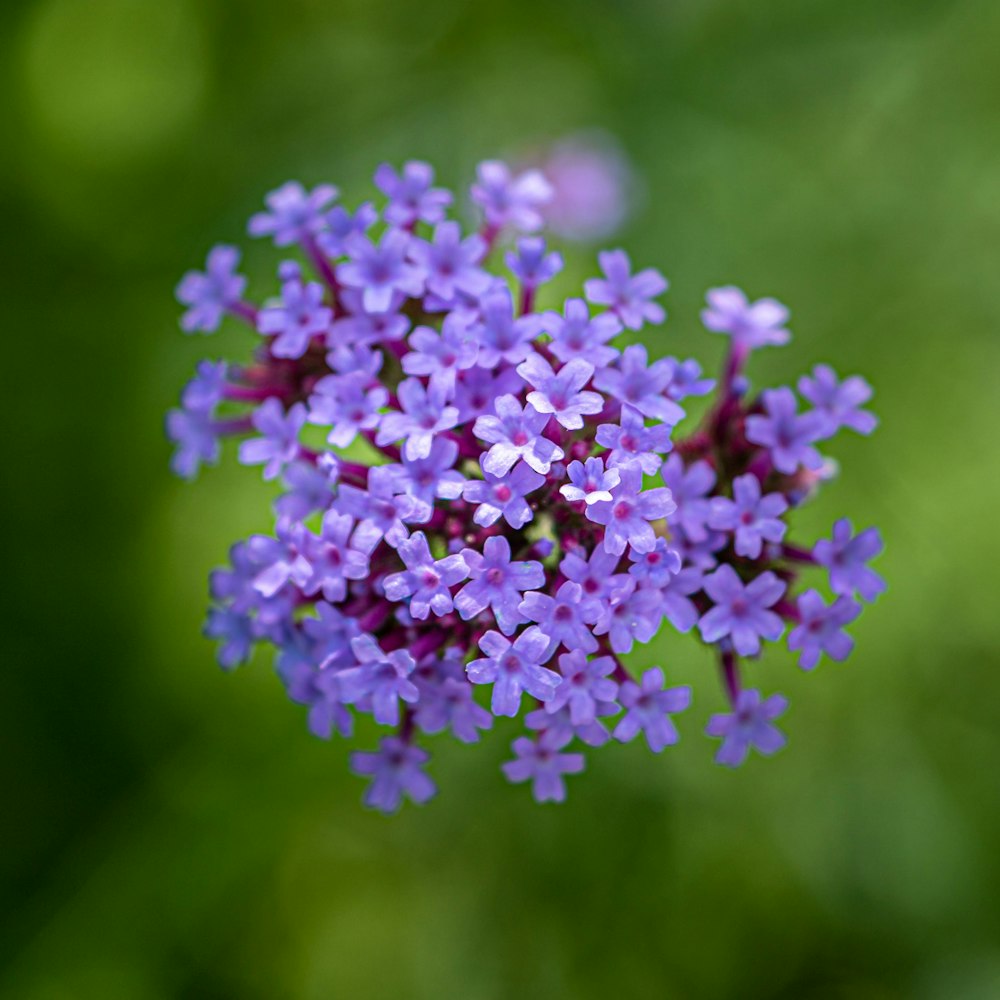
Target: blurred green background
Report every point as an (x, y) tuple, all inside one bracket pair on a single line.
[(169, 831)]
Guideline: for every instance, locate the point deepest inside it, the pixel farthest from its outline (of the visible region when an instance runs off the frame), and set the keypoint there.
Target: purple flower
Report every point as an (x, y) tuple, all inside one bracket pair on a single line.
[(342, 227), (411, 197), (656, 567), (750, 324), (196, 435), (236, 632), (512, 668), (502, 336), (633, 441), (690, 486), (331, 559), (839, 403), (319, 689), (210, 294), (497, 583), (754, 519), (627, 514), (451, 706), (749, 725), (540, 762), (628, 296), (787, 435), (631, 613), (363, 327), (382, 510), (515, 433), (820, 628), (585, 684), (675, 597), (740, 610), (589, 482), (396, 770), (426, 581), (561, 394), (294, 215), (640, 385), (441, 355), (596, 575), (477, 390), (206, 390), (346, 405), (686, 380), (563, 618), (383, 677), (594, 734), (531, 265), (503, 495), (846, 559), (576, 335), (425, 414), (310, 488), (509, 200), (434, 476), (648, 708), (451, 263), (299, 318), (381, 270), (279, 443)]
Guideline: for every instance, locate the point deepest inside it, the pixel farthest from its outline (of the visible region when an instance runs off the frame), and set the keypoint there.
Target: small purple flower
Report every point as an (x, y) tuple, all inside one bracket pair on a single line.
[(648, 708), (628, 296), (502, 336), (497, 583), (441, 355), (206, 390), (424, 414), (594, 734), (432, 477), (641, 385), (631, 613), (196, 436), (384, 677), (209, 294), (562, 395), (310, 488), (237, 633), (452, 707), (753, 519), (346, 406), (451, 263), (632, 441), (396, 770), (686, 380), (509, 200), (585, 684), (590, 482), (595, 575), (362, 327), (563, 618), (531, 265), (331, 559), (381, 270), (576, 334), (299, 318), (689, 486), (294, 215), (656, 567), (846, 559), (343, 226), (675, 595), (503, 495), (382, 510), (515, 433), (512, 668), (627, 514), (279, 441), (411, 197), (787, 435), (540, 762), (750, 324), (477, 390), (820, 628), (750, 724), (741, 610), (319, 689), (426, 580), (839, 403)]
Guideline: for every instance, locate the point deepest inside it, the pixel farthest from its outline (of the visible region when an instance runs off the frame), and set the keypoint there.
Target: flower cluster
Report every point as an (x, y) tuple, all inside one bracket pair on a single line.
[(485, 503)]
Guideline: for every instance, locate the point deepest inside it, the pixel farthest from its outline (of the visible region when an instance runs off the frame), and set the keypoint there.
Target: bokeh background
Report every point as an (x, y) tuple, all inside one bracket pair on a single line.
[(170, 831)]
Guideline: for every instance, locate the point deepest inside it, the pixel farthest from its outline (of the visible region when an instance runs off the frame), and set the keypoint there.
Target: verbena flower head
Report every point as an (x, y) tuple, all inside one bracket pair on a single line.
[(487, 504)]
